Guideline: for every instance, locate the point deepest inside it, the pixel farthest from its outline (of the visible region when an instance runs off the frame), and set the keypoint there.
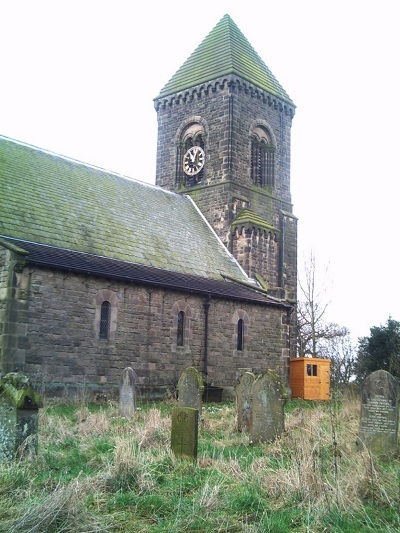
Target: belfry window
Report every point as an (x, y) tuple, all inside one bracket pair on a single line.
[(180, 329), (262, 158), (105, 320)]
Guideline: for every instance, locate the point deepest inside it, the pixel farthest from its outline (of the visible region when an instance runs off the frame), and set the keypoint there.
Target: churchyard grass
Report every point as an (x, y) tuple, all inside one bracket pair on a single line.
[(96, 471)]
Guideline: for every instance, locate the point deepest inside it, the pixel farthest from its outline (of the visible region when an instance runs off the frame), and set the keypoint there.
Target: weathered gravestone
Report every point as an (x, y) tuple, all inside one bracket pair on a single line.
[(379, 418), (190, 389), (243, 401), (127, 392), (19, 413), (268, 398), (184, 432)]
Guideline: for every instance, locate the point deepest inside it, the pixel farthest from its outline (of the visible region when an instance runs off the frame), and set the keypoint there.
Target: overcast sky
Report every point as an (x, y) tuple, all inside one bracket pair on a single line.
[(78, 77)]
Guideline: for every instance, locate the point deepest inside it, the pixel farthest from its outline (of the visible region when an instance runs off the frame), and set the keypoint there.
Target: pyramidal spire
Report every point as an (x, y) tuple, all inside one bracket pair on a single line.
[(224, 51)]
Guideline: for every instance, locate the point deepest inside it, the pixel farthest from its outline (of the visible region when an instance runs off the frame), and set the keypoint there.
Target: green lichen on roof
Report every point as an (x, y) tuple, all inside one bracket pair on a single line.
[(49, 199), (223, 52), (246, 217)]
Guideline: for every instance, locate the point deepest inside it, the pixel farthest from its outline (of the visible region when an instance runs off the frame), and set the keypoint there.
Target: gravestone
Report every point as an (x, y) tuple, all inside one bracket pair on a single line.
[(379, 418), (268, 398), (184, 432), (127, 392), (243, 391), (190, 389), (19, 414)]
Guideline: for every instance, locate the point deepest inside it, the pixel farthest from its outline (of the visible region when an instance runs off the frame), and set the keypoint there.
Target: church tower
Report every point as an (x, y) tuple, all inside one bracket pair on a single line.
[(224, 125)]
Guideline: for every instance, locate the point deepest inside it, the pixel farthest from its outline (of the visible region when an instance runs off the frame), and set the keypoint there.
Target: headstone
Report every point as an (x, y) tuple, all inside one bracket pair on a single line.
[(379, 418), (184, 432), (268, 398), (243, 401), (19, 414), (127, 392), (190, 389)]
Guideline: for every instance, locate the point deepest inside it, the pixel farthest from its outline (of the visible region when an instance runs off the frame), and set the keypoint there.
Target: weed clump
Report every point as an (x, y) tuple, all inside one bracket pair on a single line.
[(97, 471)]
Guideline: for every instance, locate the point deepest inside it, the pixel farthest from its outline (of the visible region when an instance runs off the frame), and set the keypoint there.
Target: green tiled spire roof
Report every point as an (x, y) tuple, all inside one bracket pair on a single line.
[(224, 51), (49, 199)]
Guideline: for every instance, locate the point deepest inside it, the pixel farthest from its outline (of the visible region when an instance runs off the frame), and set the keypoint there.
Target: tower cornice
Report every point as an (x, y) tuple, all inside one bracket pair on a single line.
[(235, 84)]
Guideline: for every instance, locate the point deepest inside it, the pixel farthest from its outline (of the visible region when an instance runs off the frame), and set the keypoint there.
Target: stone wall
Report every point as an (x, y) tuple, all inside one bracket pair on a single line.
[(14, 290), (228, 115), (62, 351), (4, 292)]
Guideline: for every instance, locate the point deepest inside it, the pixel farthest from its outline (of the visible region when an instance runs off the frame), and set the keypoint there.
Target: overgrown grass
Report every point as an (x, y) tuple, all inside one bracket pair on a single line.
[(98, 472)]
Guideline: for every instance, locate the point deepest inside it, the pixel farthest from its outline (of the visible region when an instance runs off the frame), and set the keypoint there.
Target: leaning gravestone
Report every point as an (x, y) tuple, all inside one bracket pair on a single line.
[(127, 392), (184, 432), (243, 401), (267, 406), (190, 389), (19, 413), (379, 419)]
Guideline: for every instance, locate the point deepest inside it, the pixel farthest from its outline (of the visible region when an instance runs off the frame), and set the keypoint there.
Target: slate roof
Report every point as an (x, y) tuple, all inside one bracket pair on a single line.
[(91, 265), (66, 215), (224, 51), (49, 199)]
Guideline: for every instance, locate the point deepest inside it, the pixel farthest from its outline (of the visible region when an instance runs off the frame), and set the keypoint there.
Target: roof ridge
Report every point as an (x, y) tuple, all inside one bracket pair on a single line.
[(69, 159)]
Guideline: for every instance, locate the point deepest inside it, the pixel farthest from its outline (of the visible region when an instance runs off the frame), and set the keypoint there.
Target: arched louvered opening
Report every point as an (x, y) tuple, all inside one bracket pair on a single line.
[(262, 158)]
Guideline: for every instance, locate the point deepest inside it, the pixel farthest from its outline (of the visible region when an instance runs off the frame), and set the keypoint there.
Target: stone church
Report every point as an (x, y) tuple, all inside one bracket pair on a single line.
[(99, 271)]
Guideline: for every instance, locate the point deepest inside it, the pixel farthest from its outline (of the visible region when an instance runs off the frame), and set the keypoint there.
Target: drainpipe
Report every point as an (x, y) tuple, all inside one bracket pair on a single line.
[(206, 306), (281, 268)]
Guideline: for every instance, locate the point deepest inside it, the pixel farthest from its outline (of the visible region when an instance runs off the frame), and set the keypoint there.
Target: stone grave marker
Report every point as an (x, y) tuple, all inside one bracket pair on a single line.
[(19, 414), (127, 392), (243, 391), (379, 417), (190, 389), (184, 432), (268, 398)]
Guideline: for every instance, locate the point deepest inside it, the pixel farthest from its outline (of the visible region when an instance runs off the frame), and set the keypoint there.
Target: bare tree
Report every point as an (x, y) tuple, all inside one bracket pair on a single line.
[(342, 353), (311, 310), (313, 331)]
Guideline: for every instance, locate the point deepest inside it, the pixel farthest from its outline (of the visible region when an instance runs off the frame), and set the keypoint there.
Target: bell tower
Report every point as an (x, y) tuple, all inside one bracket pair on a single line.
[(224, 125)]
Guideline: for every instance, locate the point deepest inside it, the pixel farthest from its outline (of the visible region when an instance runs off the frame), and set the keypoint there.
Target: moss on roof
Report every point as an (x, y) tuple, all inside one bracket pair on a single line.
[(224, 51), (49, 199)]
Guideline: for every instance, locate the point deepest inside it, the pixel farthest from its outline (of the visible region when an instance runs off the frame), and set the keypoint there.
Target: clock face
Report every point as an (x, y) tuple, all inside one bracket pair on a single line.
[(193, 160)]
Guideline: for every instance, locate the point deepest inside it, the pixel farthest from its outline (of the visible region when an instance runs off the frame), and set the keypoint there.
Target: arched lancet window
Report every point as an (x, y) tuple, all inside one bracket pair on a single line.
[(193, 135), (241, 330), (240, 335), (180, 338), (105, 313), (262, 158), (181, 333)]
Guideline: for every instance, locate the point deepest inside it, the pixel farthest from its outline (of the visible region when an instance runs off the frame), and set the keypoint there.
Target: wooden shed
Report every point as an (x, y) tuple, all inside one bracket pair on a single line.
[(310, 378)]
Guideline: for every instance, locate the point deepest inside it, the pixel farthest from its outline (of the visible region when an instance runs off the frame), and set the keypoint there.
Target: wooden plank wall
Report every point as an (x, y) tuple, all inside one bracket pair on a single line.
[(310, 378)]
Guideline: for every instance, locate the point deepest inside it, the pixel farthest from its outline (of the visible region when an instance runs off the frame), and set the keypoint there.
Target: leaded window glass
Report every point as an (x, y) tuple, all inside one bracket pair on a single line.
[(180, 329), (105, 320), (240, 334)]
